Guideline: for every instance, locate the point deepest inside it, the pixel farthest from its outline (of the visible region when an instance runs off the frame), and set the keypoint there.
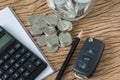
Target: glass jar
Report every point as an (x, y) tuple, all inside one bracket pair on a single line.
[(71, 9)]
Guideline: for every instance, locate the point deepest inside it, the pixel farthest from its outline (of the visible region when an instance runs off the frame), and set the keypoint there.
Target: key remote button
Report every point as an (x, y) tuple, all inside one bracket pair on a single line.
[(90, 51), (82, 65), (85, 58)]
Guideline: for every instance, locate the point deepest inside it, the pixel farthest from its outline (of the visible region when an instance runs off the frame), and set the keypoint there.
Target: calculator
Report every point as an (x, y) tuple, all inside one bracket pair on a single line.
[(17, 62)]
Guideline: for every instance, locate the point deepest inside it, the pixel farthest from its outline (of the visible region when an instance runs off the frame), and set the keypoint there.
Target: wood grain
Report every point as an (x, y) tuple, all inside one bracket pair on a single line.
[(103, 23)]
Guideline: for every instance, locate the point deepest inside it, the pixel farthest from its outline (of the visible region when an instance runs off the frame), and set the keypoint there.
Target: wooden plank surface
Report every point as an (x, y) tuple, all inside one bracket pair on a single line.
[(102, 23)]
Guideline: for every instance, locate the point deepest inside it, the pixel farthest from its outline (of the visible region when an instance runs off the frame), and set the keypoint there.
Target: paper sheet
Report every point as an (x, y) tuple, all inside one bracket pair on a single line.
[(13, 25)]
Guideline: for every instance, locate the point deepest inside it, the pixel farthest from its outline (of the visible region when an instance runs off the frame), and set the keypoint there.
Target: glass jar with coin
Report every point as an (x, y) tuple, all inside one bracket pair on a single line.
[(71, 9)]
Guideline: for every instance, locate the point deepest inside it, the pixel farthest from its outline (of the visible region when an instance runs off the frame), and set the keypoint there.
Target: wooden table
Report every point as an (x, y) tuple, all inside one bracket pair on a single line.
[(102, 23)]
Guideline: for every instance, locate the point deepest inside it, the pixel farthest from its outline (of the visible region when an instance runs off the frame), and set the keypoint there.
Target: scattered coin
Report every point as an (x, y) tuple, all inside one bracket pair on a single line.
[(35, 31), (65, 39), (49, 30), (52, 19), (31, 19), (52, 40), (41, 21), (51, 49), (64, 25), (42, 40)]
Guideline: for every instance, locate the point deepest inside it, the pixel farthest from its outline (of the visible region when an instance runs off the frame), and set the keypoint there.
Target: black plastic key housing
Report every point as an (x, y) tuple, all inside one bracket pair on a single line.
[(88, 58)]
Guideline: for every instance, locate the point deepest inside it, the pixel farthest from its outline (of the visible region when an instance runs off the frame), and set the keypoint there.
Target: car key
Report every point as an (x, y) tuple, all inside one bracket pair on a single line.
[(88, 58)]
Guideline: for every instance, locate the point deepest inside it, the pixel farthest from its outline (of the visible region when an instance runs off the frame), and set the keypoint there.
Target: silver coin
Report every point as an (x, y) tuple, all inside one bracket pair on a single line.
[(41, 40), (49, 30), (32, 19), (35, 31), (52, 40), (51, 49), (41, 23), (52, 19), (59, 2), (65, 39), (64, 25)]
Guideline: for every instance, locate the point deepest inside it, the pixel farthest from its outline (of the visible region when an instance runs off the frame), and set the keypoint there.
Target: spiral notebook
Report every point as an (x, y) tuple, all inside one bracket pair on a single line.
[(13, 25)]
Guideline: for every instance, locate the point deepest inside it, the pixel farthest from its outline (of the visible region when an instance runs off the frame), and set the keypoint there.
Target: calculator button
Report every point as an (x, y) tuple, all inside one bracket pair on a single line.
[(11, 61), (21, 78), (1, 61), (33, 58), (6, 56), (22, 59), (37, 62), (11, 51), (21, 69), (10, 78), (29, 66), (5, 76), (17, 45), (22, 50), (26, 74), (28, 54), (6, 66), (10, 71), (1, 72), (17, 55), (15, 75), (16, 65)]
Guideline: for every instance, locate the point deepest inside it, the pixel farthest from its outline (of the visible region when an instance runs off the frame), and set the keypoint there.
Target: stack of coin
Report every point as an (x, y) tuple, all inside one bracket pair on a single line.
[(52, 30)]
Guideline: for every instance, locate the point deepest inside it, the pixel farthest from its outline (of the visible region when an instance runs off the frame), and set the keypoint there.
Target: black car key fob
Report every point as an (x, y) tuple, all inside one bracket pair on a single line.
[(88, 58)]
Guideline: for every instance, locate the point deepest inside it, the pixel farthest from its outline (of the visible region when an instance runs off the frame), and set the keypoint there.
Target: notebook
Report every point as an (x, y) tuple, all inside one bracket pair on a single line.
[(13, 25)]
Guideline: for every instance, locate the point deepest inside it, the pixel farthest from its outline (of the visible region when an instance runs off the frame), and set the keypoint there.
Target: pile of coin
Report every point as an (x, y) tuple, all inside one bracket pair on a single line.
[(70, 9), (52, 30)]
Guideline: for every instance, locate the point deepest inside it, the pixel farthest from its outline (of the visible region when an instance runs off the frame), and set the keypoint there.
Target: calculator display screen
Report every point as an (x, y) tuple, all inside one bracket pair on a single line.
[(4, 40)]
